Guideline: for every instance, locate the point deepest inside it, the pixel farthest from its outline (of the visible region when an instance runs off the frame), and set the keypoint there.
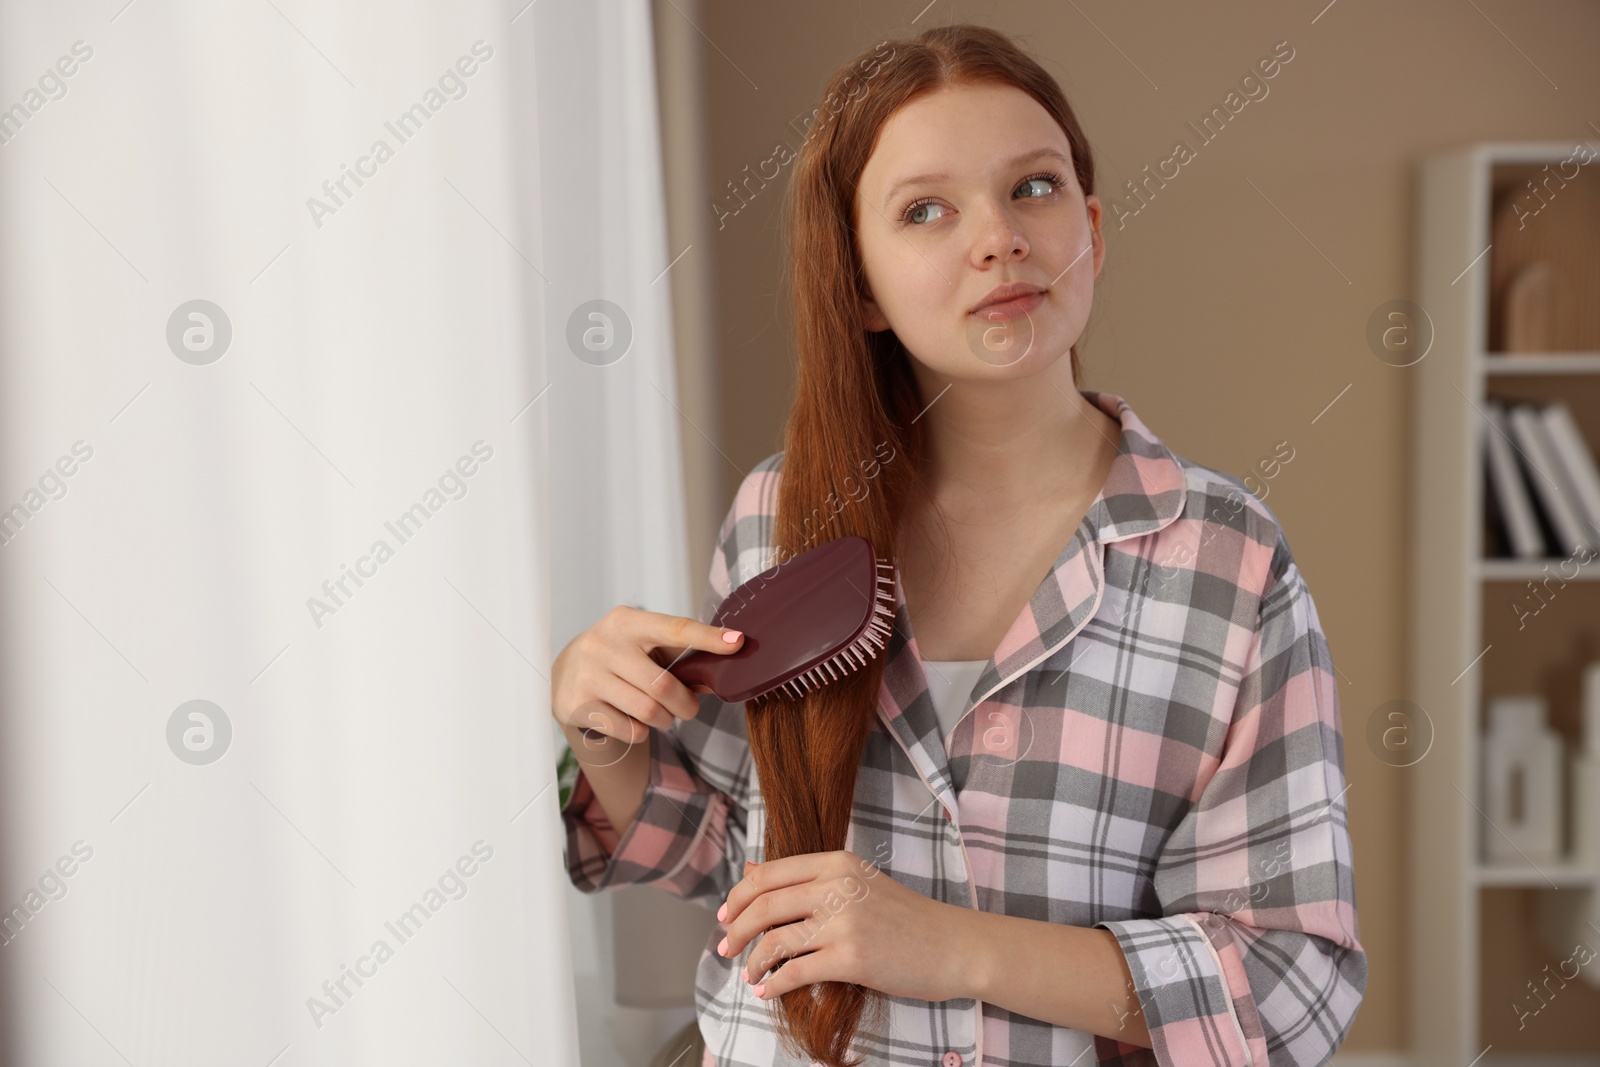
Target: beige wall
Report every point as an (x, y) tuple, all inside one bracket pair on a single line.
[(1232, 308)]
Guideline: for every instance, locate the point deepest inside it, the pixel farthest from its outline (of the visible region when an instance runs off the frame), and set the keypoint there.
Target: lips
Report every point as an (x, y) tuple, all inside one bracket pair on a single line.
[(1009, 292)]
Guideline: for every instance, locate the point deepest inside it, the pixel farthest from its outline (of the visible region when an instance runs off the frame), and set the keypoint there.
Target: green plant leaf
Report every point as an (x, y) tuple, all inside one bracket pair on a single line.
[(566, 772)]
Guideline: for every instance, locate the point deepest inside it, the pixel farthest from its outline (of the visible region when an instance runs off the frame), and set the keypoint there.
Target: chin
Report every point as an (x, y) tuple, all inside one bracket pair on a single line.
[(1011, 349)]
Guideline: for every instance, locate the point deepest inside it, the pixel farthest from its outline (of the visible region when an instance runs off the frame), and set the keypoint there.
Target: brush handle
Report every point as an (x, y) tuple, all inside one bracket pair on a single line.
[(698, 668)]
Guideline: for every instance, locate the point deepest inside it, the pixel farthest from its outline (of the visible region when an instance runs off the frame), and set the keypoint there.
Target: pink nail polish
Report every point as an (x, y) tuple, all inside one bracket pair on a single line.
[(722, 949), (761, 990), (732, 636), (722, 912)]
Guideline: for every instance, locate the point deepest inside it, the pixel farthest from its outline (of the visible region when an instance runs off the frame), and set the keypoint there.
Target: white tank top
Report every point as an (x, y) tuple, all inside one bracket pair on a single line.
[(950, 683)]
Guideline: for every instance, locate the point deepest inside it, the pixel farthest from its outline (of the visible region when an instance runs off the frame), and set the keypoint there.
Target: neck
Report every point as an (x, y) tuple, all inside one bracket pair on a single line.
[(1012, 440)]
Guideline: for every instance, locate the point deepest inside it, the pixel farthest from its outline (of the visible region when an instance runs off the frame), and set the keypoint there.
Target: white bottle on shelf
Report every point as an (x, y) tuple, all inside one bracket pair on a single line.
[(1568, 920), (1586, 778), (1522, 784)]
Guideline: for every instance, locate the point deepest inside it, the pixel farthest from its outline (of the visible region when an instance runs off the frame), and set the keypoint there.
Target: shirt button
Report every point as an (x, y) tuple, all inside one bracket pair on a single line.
[(951, 1059)]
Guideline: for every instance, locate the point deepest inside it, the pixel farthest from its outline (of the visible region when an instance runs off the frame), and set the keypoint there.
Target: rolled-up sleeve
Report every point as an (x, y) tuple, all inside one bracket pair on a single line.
[(679, 841), (1255, 958)]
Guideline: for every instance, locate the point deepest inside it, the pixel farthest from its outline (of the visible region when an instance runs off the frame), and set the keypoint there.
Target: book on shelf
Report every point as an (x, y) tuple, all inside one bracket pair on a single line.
[(1547, 476), (1579, 464), (1509, 502), (1542, 483)]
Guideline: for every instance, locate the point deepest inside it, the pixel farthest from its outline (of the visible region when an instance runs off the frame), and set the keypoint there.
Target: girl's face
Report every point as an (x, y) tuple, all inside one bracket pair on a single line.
[(970, 188)]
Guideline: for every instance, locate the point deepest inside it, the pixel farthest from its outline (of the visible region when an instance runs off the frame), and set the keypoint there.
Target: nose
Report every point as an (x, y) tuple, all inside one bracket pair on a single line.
[(998, 237)]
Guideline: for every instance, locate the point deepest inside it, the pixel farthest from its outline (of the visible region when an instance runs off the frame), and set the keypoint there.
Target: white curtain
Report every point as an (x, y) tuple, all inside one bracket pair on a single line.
[(617, 496), (291, 438)]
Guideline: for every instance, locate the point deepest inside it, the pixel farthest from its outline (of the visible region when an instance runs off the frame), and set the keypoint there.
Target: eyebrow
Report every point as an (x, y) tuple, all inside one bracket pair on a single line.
[(1015, 161)]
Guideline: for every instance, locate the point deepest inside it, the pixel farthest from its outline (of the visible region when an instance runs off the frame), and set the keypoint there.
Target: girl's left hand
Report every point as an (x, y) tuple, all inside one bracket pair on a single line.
[(852, 923)]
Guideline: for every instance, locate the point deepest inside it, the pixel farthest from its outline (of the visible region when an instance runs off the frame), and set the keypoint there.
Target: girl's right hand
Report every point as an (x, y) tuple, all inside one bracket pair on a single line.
[(612, 679)]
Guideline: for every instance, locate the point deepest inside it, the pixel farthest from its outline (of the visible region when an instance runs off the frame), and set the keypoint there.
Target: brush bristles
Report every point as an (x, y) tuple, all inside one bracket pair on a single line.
[(874, 639)]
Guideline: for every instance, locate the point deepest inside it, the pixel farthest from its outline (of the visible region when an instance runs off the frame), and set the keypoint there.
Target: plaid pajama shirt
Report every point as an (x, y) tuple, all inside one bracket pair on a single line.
[(1155, 749)]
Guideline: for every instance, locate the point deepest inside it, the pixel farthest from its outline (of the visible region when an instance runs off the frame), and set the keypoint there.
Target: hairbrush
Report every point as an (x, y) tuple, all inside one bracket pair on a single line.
[(812, 619)]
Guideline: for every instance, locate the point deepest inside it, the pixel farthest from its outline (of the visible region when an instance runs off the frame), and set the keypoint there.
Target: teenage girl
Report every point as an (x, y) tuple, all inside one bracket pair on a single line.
[(1125, 830)]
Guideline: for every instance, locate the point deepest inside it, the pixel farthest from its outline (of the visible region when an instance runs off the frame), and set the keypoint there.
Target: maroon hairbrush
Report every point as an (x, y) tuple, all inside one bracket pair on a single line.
[(810, 620)]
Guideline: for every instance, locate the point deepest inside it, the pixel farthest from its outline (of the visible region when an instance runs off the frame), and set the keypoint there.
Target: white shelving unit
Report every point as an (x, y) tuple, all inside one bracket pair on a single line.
[(1471, 928)]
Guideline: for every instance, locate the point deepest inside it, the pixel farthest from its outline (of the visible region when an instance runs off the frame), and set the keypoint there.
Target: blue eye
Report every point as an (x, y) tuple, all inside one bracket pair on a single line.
[(915, 206), (1052, 178)]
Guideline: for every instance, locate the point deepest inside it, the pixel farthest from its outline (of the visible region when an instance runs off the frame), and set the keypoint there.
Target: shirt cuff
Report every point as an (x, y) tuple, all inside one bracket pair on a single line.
[(680, 819), (1192, 991)]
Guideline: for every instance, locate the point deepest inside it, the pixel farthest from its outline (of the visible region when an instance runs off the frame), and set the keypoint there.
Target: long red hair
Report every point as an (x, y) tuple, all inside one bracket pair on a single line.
[(855, 402)]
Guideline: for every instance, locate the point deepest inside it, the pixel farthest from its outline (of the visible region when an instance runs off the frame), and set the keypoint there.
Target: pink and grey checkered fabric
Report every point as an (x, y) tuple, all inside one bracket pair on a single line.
[(1154, 749)]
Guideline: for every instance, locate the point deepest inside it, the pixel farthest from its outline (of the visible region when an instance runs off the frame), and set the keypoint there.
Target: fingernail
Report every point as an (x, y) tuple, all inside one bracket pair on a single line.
[(722, 912), (722, 949), (761, 990), (732, 636), (744, 974)]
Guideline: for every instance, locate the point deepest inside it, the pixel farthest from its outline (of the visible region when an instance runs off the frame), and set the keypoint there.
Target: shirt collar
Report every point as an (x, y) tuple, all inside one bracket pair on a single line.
[(1143, 492)]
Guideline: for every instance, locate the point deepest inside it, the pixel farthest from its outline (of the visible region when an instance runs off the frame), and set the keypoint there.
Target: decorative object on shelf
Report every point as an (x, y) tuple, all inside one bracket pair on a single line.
[(1521, 784), (1530, 308), (1545, 270)]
